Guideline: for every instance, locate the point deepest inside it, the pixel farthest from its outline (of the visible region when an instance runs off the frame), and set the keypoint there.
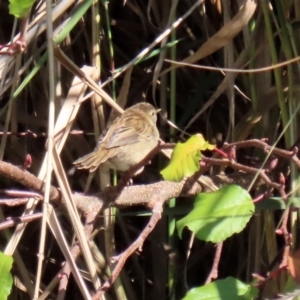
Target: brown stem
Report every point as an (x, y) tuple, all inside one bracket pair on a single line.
[(214, 271), (137, 244), (17, 220)]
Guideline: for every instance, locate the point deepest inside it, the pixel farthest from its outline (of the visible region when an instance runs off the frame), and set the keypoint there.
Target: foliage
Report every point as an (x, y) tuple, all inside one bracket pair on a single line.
[(20, 8), (6, 280), (218, 215), (185, 158), (228, 288)]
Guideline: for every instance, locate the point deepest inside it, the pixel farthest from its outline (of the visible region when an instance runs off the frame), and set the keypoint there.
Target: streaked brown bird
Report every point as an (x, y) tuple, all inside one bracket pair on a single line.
[(126, 142)]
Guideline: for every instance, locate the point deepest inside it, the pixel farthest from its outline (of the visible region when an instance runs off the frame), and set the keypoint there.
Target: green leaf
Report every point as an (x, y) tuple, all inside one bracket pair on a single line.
[(185, 158), (216, 216), (224, 289), (19, 8), (5, 276)]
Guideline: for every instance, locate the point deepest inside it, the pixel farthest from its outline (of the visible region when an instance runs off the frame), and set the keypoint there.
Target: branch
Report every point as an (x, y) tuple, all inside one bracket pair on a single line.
[(137, 244), (128, 196), (17, 220)]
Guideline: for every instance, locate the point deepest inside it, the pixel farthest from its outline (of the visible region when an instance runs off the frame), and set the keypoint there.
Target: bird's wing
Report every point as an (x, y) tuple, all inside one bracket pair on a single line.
[(132, 130)]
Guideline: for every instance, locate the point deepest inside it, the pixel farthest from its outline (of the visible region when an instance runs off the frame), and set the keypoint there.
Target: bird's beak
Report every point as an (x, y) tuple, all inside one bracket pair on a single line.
[(158, 110)]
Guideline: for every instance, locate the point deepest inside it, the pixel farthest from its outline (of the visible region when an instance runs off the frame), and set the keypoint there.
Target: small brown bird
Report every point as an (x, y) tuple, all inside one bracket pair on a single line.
[(126, 142)]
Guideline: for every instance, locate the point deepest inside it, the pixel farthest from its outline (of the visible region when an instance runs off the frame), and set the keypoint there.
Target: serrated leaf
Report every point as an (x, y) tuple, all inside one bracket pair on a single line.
[(5, 276), (228, 288), (218, 215), (19, 8), (185, 158)]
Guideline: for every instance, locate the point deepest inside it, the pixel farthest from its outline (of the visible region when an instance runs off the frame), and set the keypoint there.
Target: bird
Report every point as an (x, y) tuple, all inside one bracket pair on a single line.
[(126, 142)]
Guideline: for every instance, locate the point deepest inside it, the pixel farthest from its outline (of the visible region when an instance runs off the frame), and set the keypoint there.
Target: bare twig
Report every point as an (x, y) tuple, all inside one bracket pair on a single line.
[(17, 220), (214, 271), (65, 274), (137, 244)]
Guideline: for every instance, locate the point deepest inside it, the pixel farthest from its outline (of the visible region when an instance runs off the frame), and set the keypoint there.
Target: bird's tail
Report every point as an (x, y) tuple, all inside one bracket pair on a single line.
[(91, 161)]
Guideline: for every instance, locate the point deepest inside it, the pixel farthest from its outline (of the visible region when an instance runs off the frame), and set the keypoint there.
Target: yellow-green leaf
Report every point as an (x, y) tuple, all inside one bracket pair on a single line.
[(185, 158), (6, 279), (19, 8)]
